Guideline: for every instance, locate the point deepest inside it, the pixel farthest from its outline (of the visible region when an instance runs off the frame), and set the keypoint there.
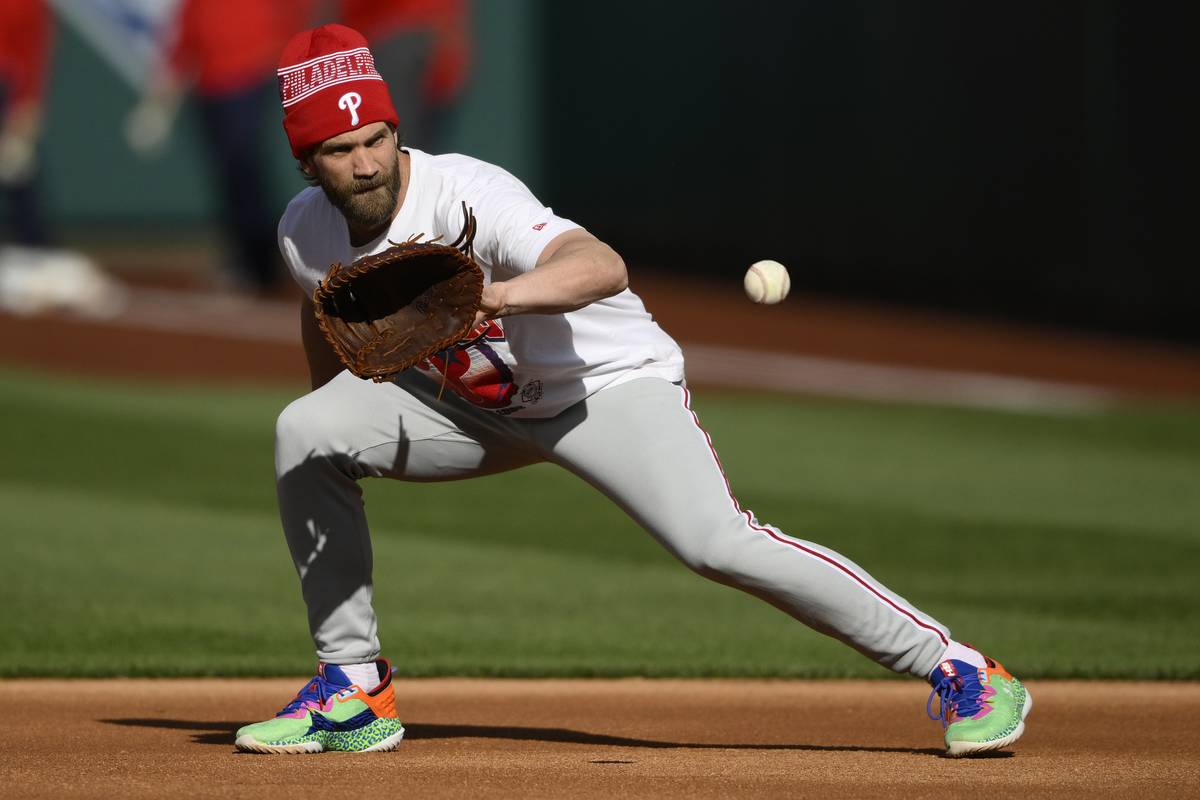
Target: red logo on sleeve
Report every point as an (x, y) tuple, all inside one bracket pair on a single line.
[(539, 226)]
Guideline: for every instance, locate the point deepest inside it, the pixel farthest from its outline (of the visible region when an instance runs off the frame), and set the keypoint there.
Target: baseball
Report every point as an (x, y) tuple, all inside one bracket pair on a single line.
[(767, 282)]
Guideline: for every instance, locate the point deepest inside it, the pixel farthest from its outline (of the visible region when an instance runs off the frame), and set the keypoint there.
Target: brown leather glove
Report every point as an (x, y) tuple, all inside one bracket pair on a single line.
[(386, 312)]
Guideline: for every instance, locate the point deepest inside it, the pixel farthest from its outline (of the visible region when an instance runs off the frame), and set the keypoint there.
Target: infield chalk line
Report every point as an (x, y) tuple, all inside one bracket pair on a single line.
[(239, 317), (787, 372)]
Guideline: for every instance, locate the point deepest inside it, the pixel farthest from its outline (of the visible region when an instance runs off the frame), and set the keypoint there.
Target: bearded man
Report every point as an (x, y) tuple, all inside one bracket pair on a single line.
[(565, 366)]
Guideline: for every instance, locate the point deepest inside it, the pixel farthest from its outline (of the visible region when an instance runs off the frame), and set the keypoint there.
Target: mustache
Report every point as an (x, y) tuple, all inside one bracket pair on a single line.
[(367, 184)]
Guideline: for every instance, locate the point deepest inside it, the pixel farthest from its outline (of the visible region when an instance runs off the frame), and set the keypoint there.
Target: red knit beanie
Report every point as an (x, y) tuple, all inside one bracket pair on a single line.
[(328, 85)]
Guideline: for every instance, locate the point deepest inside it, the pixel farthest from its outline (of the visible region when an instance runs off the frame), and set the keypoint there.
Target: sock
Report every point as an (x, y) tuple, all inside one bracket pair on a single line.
[(961, 652), (364, 676)]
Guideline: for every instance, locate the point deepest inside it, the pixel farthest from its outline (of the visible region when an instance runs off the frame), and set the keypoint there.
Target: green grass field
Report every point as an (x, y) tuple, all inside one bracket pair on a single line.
[(140, 538)]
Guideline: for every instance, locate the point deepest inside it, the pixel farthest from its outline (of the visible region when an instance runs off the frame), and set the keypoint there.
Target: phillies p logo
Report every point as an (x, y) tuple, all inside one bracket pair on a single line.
[(350, 101)]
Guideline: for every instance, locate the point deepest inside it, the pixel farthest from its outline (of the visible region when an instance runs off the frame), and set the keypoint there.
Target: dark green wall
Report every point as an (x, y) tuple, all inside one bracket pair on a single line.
[(1018, 158), (91, 177)]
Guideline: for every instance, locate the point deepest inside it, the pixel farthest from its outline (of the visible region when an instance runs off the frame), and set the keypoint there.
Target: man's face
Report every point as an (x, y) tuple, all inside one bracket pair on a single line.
[(360, 174)]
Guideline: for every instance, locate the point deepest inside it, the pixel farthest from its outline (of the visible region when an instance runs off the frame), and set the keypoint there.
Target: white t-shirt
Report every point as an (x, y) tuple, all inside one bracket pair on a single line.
[(527, 365)]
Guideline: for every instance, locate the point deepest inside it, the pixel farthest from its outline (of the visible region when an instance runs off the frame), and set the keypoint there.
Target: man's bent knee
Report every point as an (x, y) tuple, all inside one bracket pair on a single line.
[(306, 427)]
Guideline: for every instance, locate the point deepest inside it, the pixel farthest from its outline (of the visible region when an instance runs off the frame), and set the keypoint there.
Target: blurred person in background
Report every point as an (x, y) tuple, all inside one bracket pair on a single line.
[(25, 35), (422, 48), (35, 275), (225, 52)]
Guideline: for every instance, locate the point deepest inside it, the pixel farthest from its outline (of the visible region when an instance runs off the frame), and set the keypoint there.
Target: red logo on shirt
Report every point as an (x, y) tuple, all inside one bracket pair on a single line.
[(539, 226), (474, 370)]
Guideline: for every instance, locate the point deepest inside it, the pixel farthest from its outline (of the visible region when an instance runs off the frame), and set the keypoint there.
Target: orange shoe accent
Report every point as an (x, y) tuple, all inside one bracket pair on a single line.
[(383, 703), (998, 668)]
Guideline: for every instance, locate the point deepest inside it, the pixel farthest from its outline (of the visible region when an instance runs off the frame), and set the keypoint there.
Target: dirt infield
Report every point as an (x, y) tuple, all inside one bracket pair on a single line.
[(599, 738)]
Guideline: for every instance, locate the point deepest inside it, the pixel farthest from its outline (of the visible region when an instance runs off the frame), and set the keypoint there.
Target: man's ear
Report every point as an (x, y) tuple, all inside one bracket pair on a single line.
[(306, 166)]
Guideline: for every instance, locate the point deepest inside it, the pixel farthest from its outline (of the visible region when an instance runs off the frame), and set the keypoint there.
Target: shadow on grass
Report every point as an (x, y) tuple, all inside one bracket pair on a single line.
[(221, 733)]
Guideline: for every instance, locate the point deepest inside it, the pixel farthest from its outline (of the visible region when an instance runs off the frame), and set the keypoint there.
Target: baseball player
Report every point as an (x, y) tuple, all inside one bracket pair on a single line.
[(565, 366)]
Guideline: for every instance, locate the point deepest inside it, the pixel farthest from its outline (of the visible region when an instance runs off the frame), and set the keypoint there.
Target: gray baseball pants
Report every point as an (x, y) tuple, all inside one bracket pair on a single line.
[(639, 443)]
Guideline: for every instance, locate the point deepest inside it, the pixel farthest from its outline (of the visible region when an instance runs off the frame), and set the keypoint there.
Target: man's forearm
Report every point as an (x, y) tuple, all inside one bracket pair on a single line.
[(578, 273)]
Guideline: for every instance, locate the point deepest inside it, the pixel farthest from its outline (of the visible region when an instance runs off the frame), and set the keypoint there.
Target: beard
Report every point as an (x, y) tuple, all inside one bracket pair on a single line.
[(366, 203)]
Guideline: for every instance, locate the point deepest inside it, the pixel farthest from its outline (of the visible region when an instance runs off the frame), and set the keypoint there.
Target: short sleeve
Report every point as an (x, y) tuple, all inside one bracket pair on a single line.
[(287, 248), (514, 227), (304, 237)]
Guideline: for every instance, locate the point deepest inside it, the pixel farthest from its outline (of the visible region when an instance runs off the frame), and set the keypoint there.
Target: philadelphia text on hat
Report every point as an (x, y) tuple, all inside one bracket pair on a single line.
[(301, 80)]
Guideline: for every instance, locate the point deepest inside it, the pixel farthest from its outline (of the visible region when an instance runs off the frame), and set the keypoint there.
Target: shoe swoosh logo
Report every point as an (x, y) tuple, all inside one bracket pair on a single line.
[(320, 722)]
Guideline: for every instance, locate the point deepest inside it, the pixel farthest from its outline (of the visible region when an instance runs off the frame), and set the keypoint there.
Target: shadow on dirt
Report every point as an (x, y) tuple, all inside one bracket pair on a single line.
[(421, 730), (221, 733)]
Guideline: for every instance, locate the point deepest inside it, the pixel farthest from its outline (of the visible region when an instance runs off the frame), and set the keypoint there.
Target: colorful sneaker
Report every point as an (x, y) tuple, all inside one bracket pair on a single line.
[(981, 709), (330, 713)]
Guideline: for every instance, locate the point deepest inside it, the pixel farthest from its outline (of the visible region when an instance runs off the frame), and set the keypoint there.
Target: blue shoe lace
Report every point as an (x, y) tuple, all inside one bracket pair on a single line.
[(313, 695), (960, 694)]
